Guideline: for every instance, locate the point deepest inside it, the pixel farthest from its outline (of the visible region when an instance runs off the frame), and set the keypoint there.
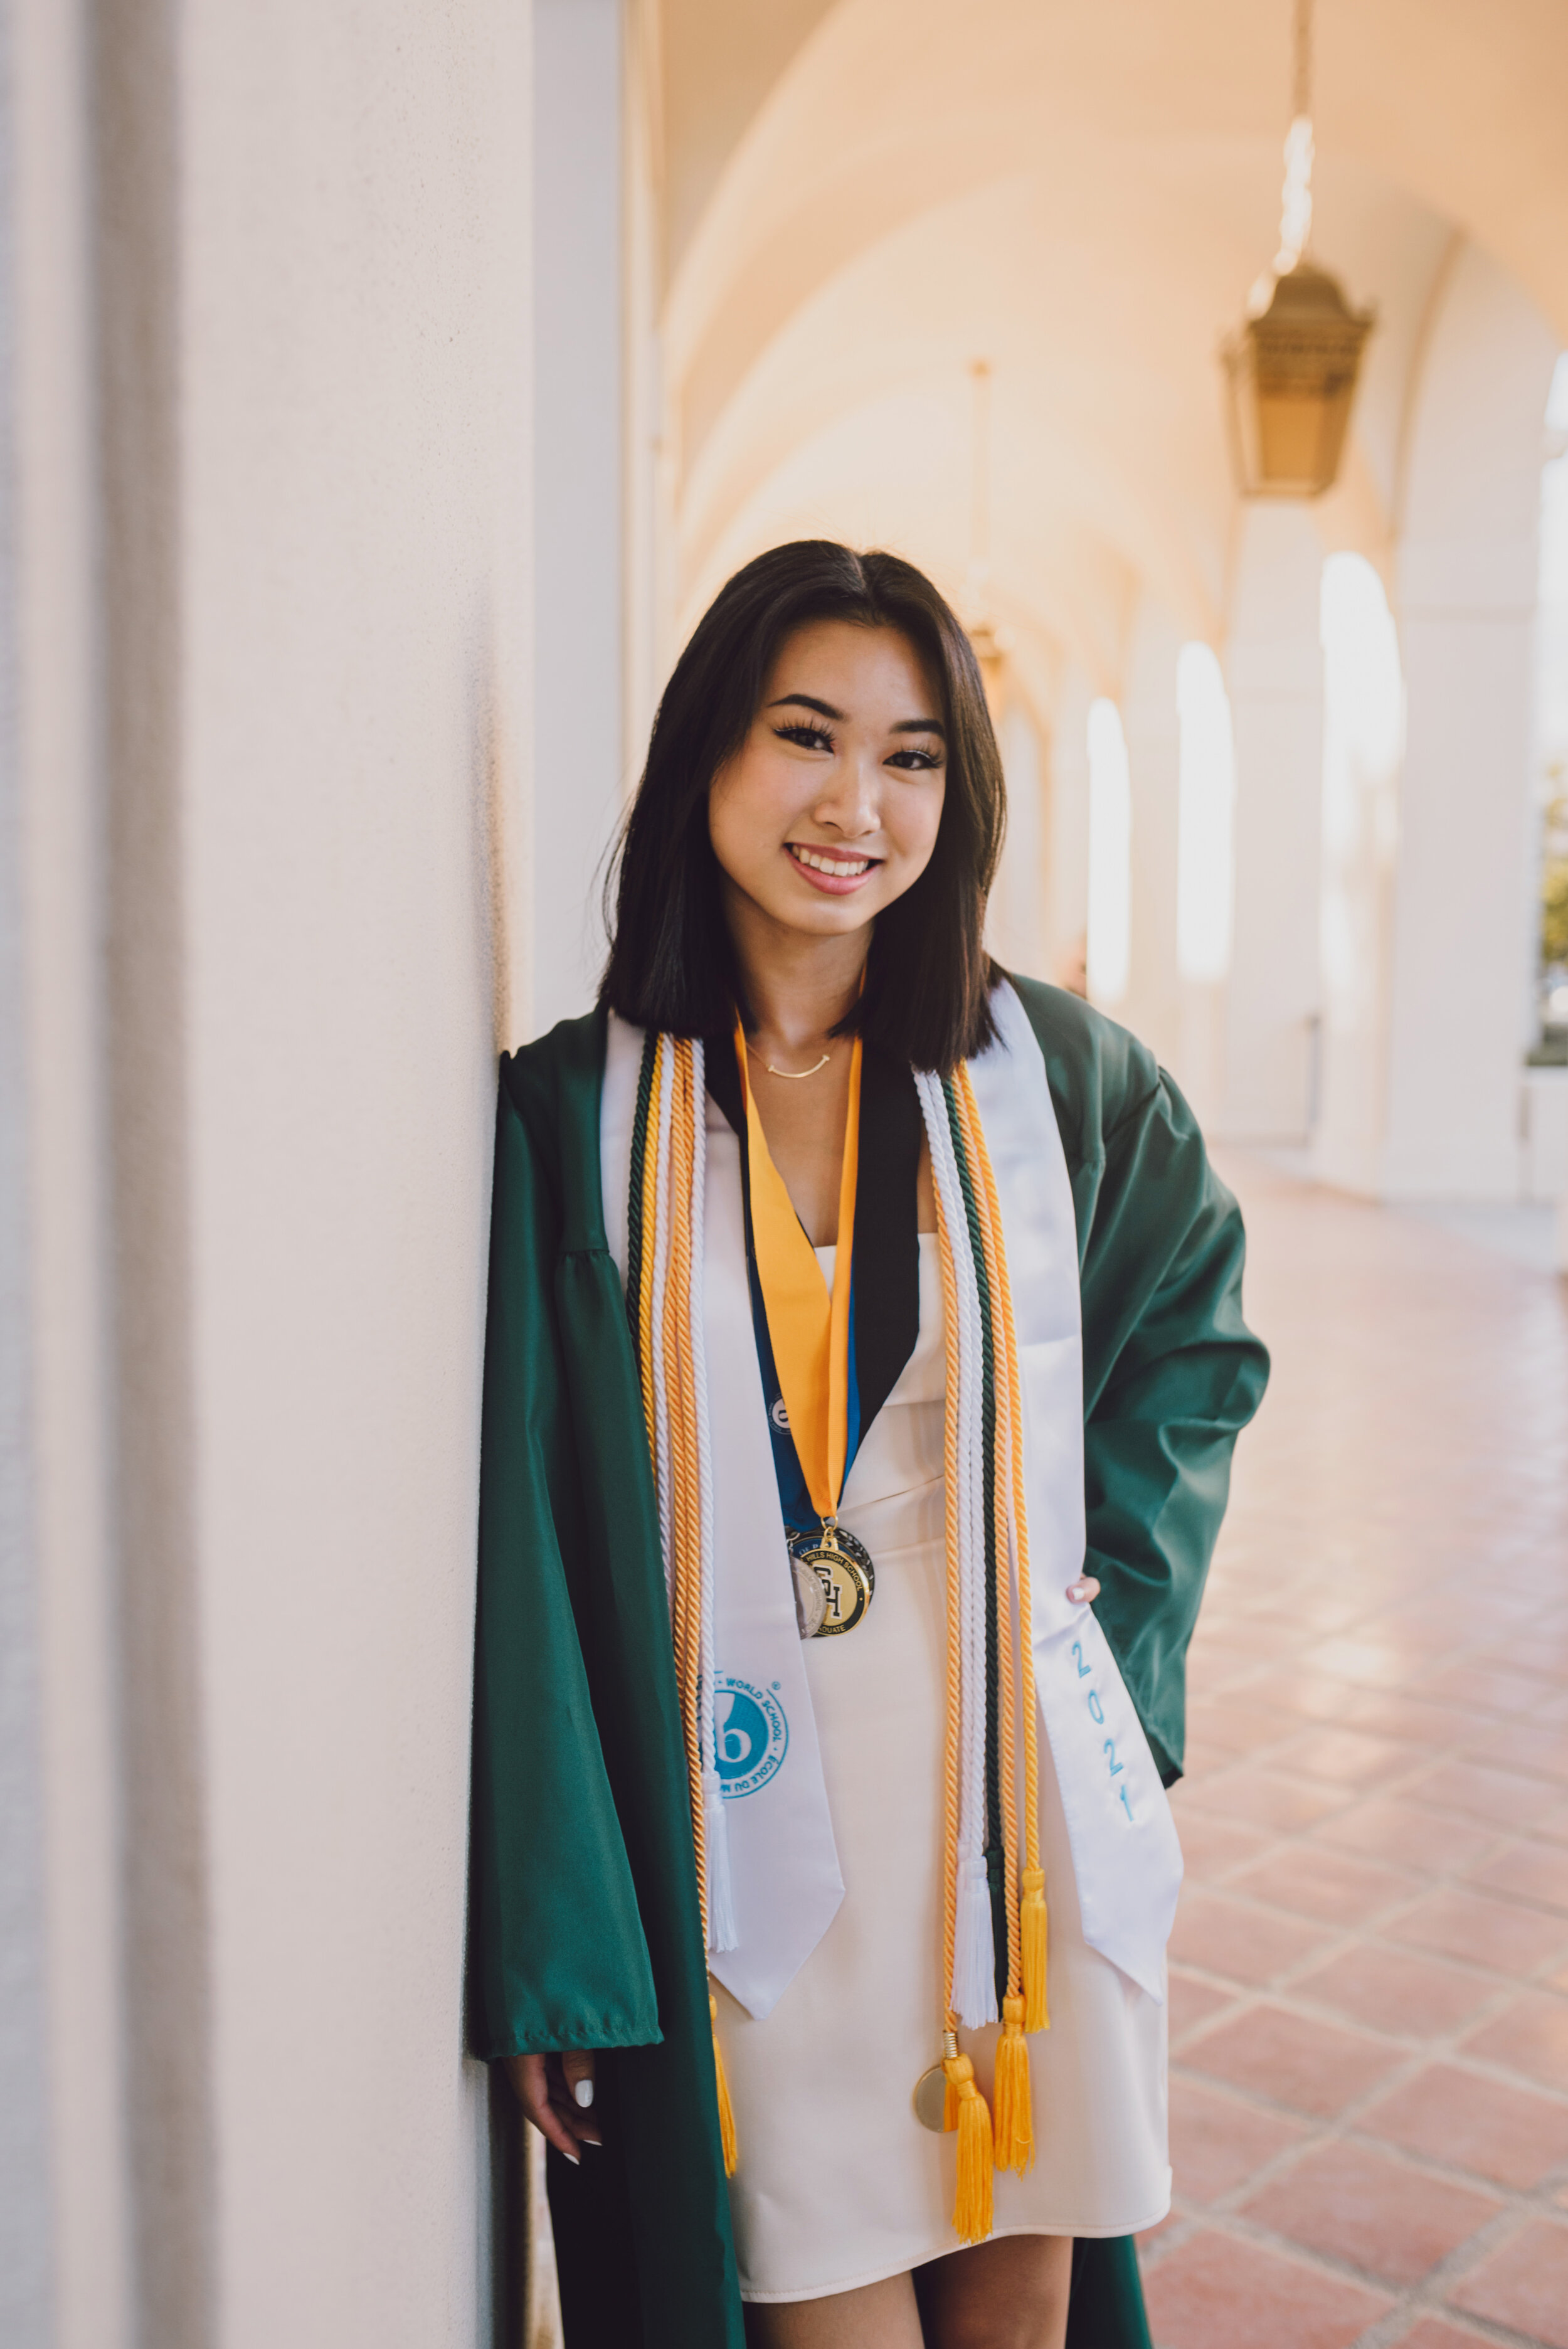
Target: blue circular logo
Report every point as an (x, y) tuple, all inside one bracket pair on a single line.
[(750, 1736)]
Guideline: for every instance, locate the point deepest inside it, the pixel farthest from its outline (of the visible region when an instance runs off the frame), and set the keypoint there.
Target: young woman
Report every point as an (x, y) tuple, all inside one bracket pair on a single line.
[(865, 1356)]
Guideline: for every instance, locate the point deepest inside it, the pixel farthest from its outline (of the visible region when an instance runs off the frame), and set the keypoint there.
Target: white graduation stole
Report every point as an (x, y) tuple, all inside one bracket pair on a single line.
[(783, 1863), (1126, 1861)]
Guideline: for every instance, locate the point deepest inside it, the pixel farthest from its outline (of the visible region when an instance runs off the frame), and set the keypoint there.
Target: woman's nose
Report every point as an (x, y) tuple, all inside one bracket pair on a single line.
[(851, 802)]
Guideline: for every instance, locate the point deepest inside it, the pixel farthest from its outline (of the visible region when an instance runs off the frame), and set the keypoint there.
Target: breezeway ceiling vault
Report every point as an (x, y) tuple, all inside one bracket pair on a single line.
[(1081, 197)]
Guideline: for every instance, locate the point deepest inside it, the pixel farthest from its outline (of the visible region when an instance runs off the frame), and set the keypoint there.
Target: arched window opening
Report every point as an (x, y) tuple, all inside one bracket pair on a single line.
[(1110, 856), (1204, 852)]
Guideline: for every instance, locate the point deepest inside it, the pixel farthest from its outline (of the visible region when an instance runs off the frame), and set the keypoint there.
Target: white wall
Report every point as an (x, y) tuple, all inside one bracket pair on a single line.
[(268, 931), (580, 750), (64, 2215)]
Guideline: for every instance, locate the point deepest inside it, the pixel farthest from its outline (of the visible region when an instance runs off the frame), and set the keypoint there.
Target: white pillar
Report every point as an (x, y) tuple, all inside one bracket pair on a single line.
[(264, 283), (1067, 850), (1462, 926), (1274, 672), (1363, 747), (579, 745), (1015, 918), (65, 2264), (1149, 717)]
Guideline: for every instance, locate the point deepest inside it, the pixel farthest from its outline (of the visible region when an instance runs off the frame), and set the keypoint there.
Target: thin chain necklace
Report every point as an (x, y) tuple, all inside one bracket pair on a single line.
[(794, 1075)]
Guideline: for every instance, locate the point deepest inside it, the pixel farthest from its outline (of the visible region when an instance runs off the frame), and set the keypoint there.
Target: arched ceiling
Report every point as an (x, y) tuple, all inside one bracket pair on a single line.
[(1081, 197)]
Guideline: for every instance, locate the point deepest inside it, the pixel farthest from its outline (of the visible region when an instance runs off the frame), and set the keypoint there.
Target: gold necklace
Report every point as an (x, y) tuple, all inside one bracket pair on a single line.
[(794, 1075)]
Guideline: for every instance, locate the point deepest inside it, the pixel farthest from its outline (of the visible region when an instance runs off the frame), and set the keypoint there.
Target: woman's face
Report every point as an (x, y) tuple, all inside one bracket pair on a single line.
[(830, 809)]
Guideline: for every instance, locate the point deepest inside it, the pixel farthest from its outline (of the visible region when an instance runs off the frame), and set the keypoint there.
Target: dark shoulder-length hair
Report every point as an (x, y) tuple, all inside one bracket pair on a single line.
[(928, 977)]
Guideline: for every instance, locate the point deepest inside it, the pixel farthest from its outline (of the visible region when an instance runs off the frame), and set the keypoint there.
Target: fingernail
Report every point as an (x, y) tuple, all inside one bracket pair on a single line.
[(573, 2158), (583, 2092)]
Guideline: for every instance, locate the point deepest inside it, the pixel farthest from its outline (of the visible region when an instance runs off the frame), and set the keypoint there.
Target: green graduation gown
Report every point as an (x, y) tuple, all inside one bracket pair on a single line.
[(583, 1924)]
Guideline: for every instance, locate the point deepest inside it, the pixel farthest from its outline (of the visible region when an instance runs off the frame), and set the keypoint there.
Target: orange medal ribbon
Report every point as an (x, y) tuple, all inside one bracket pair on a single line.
[(808, 1325)]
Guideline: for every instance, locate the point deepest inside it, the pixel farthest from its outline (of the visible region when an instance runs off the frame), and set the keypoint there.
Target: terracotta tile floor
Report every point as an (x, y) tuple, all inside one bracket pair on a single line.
[(1369, 1974)]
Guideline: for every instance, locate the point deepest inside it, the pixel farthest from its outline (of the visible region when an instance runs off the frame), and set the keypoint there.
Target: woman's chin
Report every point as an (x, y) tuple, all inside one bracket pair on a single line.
[(824, 917), (808, 912)]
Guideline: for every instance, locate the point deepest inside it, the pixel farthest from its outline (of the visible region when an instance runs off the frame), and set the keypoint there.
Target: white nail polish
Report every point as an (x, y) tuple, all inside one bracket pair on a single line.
[(583, 2092), (575, 2160)]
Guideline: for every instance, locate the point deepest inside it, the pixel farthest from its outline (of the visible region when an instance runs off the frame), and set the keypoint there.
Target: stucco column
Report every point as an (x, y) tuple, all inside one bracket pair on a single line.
[(1149, 722), (1015, 918), (1274, 672), (1067, 844), (1462, 935)]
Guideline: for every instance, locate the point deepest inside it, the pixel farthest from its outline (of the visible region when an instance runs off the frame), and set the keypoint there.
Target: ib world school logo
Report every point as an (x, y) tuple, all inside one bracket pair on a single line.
[(750, 1736)]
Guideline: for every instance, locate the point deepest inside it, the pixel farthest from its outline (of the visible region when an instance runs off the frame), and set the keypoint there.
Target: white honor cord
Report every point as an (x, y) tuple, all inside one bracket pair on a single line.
[(974, 1988), (721, 1931), (667, 1065)]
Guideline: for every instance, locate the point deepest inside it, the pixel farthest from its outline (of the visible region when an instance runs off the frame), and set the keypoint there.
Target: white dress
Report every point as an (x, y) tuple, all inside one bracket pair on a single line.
[(839, 2185)]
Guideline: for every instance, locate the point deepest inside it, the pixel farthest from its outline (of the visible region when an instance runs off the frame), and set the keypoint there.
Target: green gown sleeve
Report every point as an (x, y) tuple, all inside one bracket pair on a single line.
[(1171, 1373), (557, 1954)]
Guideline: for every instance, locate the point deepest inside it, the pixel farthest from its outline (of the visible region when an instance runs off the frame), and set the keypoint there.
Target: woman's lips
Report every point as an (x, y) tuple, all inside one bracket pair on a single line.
[(835, 875)]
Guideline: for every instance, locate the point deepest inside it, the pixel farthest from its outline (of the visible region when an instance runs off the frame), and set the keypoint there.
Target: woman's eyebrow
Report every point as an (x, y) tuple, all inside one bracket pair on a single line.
[(826, 709), (808, 701)]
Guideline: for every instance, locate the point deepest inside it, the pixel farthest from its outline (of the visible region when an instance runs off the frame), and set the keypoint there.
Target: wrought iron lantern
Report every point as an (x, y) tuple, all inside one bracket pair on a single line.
[(1292, 367)]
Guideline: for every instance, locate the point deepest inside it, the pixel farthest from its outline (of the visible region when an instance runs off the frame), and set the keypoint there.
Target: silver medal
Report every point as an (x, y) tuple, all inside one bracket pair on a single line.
[(811, 1600)]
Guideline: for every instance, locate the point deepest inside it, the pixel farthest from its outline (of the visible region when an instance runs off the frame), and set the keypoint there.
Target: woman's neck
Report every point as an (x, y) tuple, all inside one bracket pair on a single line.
[(797, 988)]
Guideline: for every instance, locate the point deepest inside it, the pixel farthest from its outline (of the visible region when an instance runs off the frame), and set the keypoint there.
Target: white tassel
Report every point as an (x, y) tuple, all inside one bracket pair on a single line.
[(974, 1954), (721, 1932)]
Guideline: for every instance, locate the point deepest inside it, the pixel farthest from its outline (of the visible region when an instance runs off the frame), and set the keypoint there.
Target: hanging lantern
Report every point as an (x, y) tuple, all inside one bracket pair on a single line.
[(1292, 368), (1293, 381)]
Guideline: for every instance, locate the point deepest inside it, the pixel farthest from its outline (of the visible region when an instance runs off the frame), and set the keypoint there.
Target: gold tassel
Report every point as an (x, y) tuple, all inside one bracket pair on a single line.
[(1032, 1920), (1014, 2118), (726, 2109), (972, 2209)]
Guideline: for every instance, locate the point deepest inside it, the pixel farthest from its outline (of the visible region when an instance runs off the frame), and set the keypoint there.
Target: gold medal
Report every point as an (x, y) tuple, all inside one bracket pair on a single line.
[(931, 2099), (842, 1567)]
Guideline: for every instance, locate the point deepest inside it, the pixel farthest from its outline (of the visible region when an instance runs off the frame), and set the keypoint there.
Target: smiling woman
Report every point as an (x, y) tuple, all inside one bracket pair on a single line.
[(864, 1338), (903, 771)]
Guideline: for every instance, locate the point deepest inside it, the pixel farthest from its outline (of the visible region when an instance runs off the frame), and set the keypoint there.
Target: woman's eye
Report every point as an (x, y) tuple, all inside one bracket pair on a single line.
[(915, 761), (809, 738)]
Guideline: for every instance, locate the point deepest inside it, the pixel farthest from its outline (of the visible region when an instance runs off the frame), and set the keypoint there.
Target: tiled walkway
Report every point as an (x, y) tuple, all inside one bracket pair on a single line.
[(1370, 2017)]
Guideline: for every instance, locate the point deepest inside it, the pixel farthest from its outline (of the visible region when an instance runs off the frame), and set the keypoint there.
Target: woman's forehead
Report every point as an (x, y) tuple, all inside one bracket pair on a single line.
[(848, 664)]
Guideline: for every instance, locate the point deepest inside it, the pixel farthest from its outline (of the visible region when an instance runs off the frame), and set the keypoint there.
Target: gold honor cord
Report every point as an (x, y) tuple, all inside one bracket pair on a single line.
[(810, 1332), (809, 1328)]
